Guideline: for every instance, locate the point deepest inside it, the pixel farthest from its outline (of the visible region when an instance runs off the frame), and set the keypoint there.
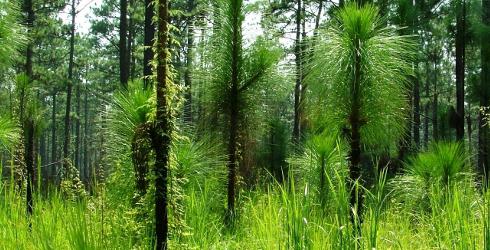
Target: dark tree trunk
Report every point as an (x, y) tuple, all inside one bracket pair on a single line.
[(460, 68), (189, 62), (356, 199), (131, 39), (29, 160), (86, 157), (54, 157), (163, 128), (435, 117), (66, 146), (416, 112), (77, 130), (149, 35), (140, 155), (484, 130), (233, 155), (297, 87), (427, 106), (123, 46)]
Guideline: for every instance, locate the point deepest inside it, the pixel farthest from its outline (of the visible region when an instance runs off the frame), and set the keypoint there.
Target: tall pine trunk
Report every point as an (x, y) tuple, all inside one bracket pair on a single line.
[(297, 87), (123, 46), (54, 158), (69, 85), (460, 68), (163, 128), (356, 199), (29, 160), (484, 130), (233, 155)]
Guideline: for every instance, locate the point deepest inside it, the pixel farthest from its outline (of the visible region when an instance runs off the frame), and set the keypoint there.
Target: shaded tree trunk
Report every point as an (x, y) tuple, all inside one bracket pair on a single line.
[(435, 124), (86, 158), (54, 158), (66, 146), (460, 68), (77, 130), (123, 46), (356, 199), (416, 112), (233, 155), (484, 130), (427, 106), (297, 87), (163, 128), (29, 160)]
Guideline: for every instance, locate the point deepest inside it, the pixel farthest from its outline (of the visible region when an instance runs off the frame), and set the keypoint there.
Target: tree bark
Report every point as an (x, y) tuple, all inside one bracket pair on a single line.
[(416, 112), (460, 68), (54, 157), (123, 46), (29, 160), (66, 146), (484, 130), (163, 128), (77, 130), (233, 155), (356, 199), (435, 101), (297, 87)]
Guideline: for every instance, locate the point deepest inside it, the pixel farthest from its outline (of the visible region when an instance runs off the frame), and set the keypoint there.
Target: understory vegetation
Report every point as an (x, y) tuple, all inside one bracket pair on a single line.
[(235, 124)]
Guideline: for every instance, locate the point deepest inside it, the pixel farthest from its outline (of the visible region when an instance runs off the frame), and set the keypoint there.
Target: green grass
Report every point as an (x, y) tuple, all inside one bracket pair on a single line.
[(407, 212)]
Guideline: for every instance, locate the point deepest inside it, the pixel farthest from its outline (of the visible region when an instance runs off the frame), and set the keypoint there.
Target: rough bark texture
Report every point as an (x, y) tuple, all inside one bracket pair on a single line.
[(163, 128), (123, 46), (416, 112), (29, 160), (66, 145), (297, 87), (435, 117), (149, 35), (54, 150), (484, 130), (356, 199), (233, 156), (460, 68), (140, 155)]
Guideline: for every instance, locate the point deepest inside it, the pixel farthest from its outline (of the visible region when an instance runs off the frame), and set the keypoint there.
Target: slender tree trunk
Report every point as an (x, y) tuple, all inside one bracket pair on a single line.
[(131, 39), (54, 157), (435, 117), (163, 128), (29, 160), (77, 129), (297, 87), (427, 106), (416, 112), (123, 46), (460, 68), (66, 146), (233, 155), (484, 130), (356, 199), (149, 35), (86, 158)]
